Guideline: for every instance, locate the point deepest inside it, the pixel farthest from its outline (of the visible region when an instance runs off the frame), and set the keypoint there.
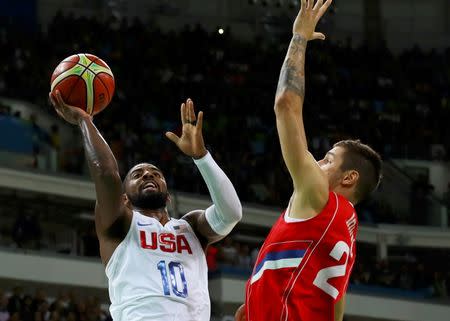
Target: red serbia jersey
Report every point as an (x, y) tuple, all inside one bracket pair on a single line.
[(303, 267)]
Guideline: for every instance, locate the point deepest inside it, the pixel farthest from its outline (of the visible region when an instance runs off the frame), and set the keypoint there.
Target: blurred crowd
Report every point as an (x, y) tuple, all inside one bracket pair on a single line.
[(400, 104), (21, 306), (426, 273), (410, 275), (397, 103)]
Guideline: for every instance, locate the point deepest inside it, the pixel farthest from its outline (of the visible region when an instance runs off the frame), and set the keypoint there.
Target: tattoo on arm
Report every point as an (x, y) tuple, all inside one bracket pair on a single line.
[(292, 75)]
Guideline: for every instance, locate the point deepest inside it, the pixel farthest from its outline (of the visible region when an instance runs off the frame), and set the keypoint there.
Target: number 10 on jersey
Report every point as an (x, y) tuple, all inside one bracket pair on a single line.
[(174, 278)]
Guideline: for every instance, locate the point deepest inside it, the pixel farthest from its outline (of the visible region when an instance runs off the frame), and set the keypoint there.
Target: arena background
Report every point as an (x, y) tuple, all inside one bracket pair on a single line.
[(382, 75)]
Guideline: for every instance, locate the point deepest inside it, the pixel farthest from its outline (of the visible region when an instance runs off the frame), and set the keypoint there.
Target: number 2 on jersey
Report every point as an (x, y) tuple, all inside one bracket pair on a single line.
[(322, 277), (177, 278)]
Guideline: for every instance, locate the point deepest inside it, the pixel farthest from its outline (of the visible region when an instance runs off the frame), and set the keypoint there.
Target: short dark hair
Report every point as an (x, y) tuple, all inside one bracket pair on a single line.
[(365, 161)]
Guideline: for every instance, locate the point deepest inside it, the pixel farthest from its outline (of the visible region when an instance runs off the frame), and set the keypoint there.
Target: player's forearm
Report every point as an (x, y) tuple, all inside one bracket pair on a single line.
[(227, 209), (291, 83), (99, 156)]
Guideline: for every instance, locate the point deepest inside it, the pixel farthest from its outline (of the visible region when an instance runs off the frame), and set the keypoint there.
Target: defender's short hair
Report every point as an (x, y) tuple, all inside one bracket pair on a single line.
[(365, 161)]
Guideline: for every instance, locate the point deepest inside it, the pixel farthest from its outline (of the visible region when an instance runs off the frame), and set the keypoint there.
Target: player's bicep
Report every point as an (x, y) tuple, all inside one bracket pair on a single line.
[(203, 230), (110, 204)]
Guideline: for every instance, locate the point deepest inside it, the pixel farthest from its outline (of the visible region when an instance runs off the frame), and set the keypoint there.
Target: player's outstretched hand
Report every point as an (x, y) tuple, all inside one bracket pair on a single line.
[(71, 114), (240, 314), (191, 141), (310, 13)]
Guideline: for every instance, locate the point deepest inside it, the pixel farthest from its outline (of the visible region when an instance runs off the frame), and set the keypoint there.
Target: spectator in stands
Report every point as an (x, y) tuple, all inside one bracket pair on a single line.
[(420, 200), (4, 110), (26, 312), (90, 243), (26, 231), (404, 279), (55, 147), (72, 158), (42, 312), (383, 274), (4, 313), (228, 255), (40, 297), (15, 317), (211, 258), (360, 275), (244, 259), (446, 200), (440, 288), (254, 256), (421, 278), (15, 301)]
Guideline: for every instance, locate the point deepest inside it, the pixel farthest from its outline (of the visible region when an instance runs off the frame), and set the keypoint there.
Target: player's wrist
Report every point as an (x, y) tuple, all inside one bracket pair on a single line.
[(200, 155), (300, 36), (84, 118)]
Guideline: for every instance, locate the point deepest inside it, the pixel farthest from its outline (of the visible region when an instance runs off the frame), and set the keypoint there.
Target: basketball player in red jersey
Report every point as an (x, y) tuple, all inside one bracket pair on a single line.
[(303, 267)]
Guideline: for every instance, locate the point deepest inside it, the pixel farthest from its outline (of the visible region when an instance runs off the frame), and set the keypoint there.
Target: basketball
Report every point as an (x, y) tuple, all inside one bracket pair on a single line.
[(84, 81)]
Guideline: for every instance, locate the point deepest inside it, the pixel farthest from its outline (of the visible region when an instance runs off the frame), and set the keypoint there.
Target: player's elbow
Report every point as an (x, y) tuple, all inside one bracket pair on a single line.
[(232, 213), (237, 212), (286, 102)]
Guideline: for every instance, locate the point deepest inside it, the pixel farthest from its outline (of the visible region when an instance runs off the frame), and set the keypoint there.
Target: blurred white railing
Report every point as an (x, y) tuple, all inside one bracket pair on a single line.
[(384, 235)]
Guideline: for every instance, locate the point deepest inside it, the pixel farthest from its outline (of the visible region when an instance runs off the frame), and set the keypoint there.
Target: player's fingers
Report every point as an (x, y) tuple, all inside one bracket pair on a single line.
[(187, 114), (199, 124), (308, 4), (58, 107), (59, 98), (318, 5), (192, 110), (51, 99), (318, 35), (183, 113), (59, 113), (174, 138), (303, 6), (324, 7)]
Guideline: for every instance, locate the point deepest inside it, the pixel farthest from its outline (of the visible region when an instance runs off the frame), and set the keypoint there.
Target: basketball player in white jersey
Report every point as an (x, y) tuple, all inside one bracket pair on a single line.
[(155, 264)]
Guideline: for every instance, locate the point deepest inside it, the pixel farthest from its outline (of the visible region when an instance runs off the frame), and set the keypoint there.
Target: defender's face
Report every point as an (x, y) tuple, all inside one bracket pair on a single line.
[(145, 179), (331, 165)]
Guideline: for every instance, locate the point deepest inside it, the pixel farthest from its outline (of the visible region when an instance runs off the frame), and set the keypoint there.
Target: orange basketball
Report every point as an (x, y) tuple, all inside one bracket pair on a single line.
[(84, 81)]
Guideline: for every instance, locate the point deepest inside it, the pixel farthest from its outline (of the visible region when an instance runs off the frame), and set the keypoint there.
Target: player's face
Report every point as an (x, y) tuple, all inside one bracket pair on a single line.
[(331, 165), (146, 187)]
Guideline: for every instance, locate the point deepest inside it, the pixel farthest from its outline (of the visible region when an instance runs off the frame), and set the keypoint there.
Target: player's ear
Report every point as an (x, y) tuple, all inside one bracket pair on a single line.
[(125, 199), (350, 178)]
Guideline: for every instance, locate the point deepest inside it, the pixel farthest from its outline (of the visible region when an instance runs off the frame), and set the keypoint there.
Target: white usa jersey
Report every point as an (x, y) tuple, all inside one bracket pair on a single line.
[(158, 273)]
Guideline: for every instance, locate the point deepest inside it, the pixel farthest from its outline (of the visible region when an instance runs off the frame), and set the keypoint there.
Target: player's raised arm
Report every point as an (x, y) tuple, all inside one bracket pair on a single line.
[(102, 165), (310, 183), (219, 219)]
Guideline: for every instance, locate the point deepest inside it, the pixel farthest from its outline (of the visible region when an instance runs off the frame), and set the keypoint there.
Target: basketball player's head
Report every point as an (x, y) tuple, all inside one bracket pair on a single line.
[(145, 187), (353, 169)]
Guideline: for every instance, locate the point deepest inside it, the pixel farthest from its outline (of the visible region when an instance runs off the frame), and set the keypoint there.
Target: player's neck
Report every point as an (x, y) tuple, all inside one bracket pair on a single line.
[(347, 193), (160, 214)]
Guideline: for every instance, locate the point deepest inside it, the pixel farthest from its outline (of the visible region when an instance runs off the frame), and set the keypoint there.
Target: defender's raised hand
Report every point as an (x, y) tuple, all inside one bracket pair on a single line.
[(306, 21), (71, 114), (191, 140)]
